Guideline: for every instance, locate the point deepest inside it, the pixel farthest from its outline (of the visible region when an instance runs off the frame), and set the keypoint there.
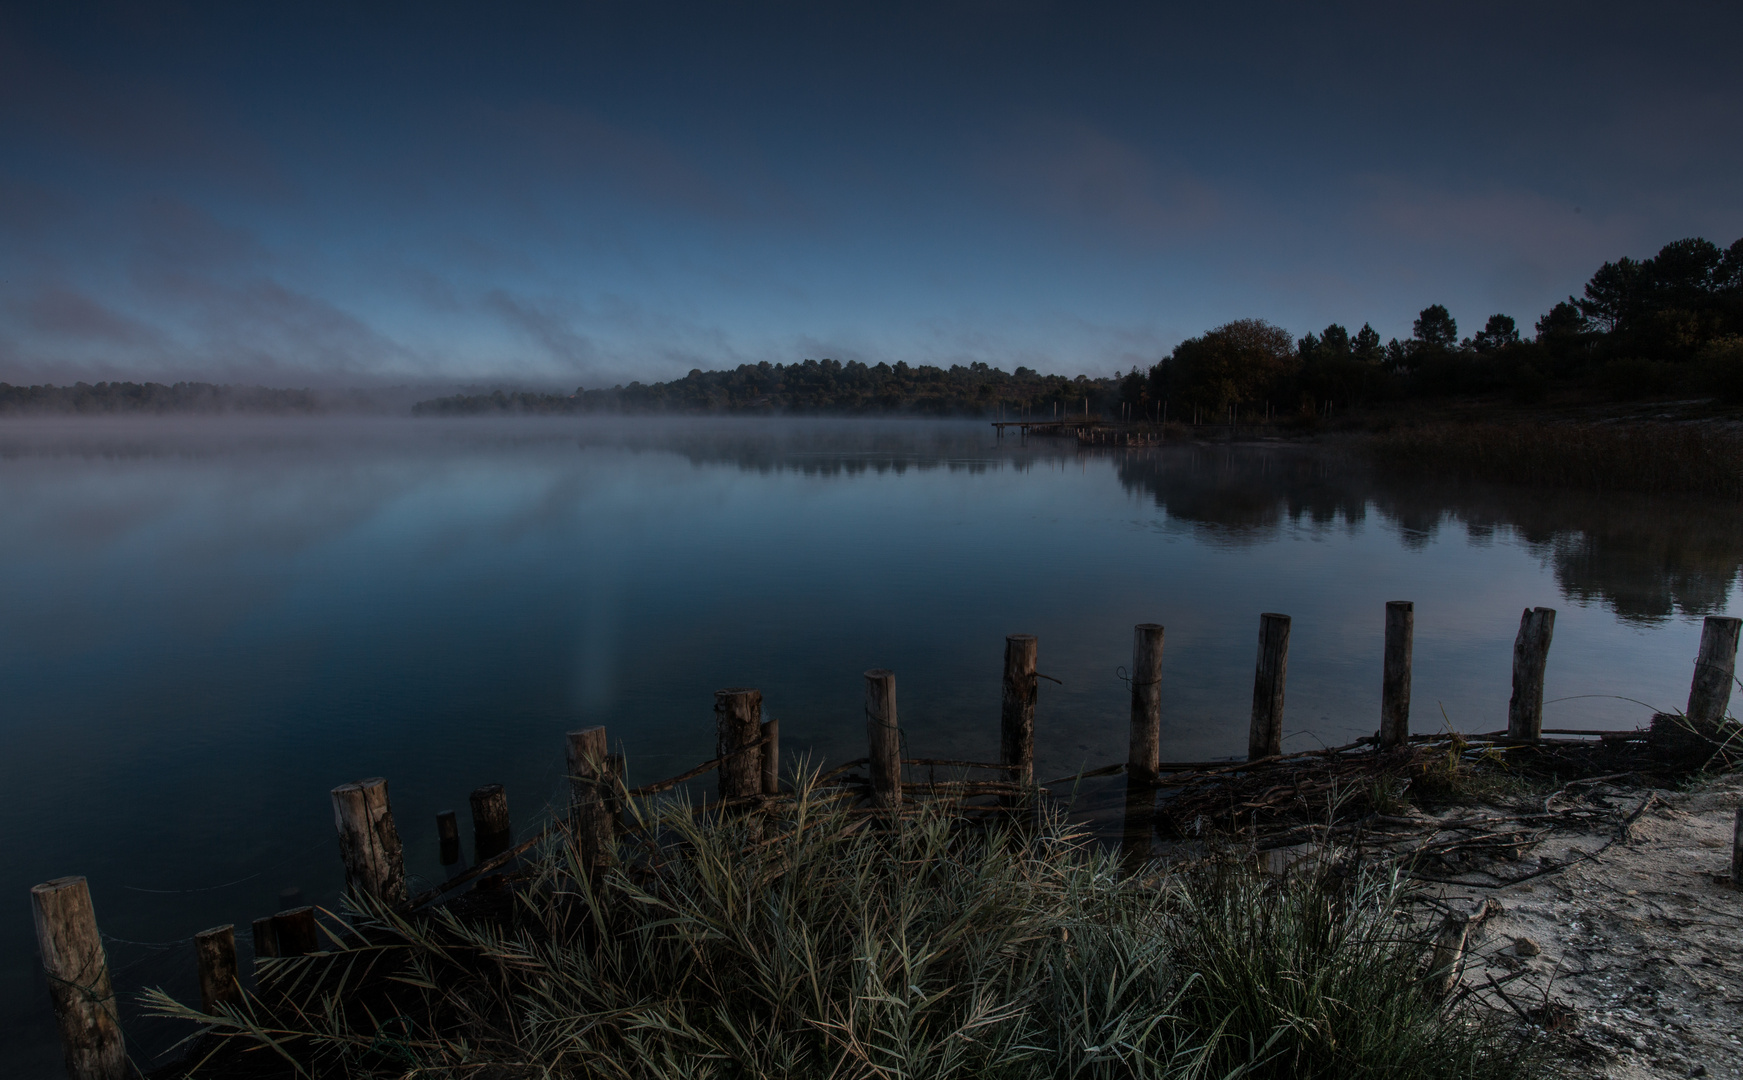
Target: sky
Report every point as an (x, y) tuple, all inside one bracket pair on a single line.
[(585, 194)]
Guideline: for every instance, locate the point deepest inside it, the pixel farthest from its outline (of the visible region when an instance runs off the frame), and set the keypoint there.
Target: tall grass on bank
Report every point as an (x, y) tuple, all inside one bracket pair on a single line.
[(1660, 458), (824, 942)]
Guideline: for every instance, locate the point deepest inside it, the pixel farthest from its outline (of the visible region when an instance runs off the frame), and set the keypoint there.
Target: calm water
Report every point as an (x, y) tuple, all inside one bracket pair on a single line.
[(209, 624)]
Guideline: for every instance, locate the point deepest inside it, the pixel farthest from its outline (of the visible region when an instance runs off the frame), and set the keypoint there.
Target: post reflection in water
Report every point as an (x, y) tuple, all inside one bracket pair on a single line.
[(210, 624)]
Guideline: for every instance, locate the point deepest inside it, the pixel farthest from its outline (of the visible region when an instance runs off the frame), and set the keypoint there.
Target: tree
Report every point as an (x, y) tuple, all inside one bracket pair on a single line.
[(1238, 362), (1434, 328), (1366, 346), (1564, 322), (1614, 293), (1497, 334)]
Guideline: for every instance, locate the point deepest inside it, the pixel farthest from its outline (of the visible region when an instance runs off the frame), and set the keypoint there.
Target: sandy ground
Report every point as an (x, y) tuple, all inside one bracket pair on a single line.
[(1633, 952)]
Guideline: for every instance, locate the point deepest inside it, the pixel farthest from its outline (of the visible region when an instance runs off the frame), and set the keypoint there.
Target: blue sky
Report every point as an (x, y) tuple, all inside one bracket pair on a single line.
[(587, 194)]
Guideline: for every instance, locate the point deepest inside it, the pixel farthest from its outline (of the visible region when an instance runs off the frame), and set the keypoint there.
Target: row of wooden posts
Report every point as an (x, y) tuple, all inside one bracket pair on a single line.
[(747, 756)]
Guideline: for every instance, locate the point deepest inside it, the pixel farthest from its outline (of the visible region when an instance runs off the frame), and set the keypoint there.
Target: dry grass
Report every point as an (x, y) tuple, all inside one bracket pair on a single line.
[(819, 941)]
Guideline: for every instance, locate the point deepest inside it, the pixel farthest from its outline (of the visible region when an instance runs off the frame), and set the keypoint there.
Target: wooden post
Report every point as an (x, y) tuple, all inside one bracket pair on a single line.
[(590, 781), (265, 938), (1146, 742), (1017, 717), (78, 979), (368, 841), (492, 834), (1265, 736), (884, 739), (1530, 657), (772, 756), (448, 834), (296, 931), (738, 722), (215, 952), (1395, 676), (1715, 667)]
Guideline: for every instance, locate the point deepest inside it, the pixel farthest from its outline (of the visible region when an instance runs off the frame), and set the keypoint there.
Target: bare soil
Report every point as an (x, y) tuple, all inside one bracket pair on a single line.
[(1622, 936)]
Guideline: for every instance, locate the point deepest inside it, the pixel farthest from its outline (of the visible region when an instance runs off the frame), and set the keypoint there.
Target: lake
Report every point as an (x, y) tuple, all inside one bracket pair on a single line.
[(210, 623)]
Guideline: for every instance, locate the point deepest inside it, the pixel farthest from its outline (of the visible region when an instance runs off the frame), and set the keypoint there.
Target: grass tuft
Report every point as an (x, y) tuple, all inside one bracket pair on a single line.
[(818, 941)]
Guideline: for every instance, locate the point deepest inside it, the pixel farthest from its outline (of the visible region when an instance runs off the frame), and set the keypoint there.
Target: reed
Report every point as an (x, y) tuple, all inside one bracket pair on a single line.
[(818, 940), (1659, 458)]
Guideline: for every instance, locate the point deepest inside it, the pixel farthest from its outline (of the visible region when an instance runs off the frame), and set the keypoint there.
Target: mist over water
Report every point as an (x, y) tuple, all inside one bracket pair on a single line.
[(210, 623)]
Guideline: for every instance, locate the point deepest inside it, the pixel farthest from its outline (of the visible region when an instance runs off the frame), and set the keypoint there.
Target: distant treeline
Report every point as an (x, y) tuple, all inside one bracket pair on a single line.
[(1670, 323), (130, 397), (814, 386)]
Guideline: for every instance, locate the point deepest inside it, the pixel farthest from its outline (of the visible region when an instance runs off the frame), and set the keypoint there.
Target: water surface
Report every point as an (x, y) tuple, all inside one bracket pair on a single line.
[(209, 624)]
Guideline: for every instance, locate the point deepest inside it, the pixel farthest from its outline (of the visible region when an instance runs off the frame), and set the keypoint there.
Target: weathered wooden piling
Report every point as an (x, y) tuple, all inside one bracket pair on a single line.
[(1265, 735), (78, 979), (492, 832), (1017, 717), (1715, 668), (883, 739), (1530, 657), (1146, 679), (1395, 674), (265, 938), (772, 756), (738, 722), (448, 836), (590, 781), (296, 932), (368, 840), (215, 955)]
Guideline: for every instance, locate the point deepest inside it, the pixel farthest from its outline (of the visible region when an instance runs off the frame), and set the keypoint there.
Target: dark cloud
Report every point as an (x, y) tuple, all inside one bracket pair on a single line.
[(69, 315)]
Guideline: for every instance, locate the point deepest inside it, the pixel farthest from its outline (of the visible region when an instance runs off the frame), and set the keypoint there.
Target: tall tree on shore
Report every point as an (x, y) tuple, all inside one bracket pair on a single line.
[(1497, 334), (1434, 328)]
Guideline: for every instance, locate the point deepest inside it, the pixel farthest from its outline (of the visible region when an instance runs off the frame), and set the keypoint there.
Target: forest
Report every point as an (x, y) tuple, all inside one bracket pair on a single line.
[(150, 397)]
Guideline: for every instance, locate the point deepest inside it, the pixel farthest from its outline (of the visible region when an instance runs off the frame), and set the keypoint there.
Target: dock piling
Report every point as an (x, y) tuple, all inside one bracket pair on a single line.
[(1395, 676), (492, 832), (590, 781), (738, 722), (884, 739), (1146, 678), (78, 979), (265, 938), (215, 953), (297, 932), (1715, 668), (448, 836), (368, 841), (1530, 658), (1017, 717), (1265, 735)]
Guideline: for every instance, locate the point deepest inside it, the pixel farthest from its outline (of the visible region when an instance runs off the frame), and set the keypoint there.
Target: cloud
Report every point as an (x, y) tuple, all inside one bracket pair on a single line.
[(1080, 174), (70, 315), (551, 328), (576, 147), (1504, 221)]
